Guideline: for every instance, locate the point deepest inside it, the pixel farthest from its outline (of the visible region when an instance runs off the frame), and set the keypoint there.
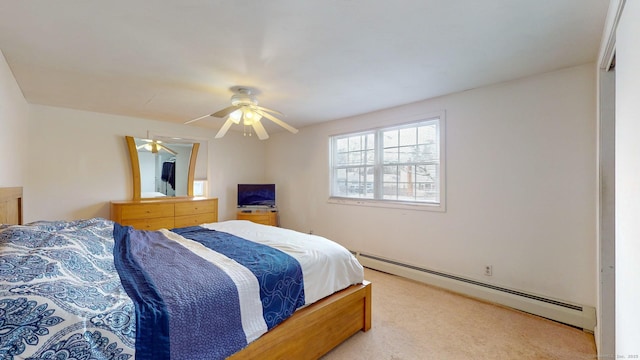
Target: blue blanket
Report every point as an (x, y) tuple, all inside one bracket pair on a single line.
[(279, 275), (188, 307)]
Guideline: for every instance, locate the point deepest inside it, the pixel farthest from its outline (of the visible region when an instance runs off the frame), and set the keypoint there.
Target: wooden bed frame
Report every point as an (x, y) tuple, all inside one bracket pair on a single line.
[(11, 205), (310, 333)]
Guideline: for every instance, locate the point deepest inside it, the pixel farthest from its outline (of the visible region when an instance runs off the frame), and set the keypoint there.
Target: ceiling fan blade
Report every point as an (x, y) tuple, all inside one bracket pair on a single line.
[(196, 119), (278, 121), (260, 131), (268, 110), (223, 130), (226, 111)]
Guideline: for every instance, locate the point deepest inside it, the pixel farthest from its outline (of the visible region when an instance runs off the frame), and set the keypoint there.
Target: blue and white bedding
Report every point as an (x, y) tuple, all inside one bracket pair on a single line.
[(60, 295), (92, 290)]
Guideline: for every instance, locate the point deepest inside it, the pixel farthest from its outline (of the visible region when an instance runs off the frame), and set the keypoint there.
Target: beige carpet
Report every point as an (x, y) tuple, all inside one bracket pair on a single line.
[(412, 320)]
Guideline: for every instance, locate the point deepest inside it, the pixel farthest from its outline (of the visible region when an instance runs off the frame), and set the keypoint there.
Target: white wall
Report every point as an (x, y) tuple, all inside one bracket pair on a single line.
[(604, 333), (14, 112), (521, 187), (627, 182), (78, 162)]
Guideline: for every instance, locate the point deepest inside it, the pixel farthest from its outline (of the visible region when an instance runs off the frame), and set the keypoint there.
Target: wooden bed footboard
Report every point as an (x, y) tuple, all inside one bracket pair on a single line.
[(316, 329)]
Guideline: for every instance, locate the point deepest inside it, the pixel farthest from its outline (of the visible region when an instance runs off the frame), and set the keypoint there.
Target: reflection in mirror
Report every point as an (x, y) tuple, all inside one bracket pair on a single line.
[(162, 168)]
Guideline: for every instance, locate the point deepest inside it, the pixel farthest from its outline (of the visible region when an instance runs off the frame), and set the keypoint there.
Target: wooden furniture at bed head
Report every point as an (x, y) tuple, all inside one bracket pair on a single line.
[(165, 213), (11, 205)]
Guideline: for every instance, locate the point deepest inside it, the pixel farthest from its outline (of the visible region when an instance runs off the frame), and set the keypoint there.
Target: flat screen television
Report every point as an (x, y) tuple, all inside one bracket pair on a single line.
[(256, 195)]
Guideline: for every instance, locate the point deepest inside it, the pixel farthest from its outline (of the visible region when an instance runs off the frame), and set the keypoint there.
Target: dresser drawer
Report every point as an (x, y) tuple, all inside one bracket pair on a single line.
[(265, 218), (165, 213), (196, 219), (146, 211), (151, 224), (196, 207), (258, 218)]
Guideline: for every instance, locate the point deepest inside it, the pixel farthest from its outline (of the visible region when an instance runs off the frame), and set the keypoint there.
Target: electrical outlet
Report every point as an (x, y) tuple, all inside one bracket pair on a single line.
[(488, 270)]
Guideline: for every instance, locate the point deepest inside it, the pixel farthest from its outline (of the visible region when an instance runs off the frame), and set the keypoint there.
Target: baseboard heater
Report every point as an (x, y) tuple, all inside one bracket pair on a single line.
[(572, 314)]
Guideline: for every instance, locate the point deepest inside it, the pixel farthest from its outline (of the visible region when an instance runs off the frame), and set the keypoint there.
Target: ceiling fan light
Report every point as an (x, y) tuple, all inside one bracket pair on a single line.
[(248, 117), (236, 116)]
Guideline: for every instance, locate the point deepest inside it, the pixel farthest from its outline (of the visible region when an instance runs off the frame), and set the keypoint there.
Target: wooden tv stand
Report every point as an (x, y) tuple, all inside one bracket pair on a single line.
[(260, 216)]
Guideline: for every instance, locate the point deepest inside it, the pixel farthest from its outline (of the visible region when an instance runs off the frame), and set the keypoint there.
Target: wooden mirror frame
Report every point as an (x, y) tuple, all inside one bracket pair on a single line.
[(135, 168)]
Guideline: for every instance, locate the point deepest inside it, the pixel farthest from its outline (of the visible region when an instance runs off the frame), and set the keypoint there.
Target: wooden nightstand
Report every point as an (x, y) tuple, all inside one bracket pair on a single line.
[(260, 216)]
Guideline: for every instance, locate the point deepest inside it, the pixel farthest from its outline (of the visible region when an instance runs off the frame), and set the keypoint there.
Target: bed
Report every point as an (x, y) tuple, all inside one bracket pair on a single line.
[(52, 309)]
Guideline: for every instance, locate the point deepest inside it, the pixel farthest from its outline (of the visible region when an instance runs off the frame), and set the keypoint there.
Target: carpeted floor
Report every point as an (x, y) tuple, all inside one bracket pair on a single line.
[(412, 320)]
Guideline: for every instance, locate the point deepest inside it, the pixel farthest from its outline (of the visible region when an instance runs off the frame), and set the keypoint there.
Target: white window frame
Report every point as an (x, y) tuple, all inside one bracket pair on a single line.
[(399, 204)]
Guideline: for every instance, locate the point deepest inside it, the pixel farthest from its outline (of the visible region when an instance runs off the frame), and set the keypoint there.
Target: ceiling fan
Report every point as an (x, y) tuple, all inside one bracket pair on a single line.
[(154, 146), (244, 107)]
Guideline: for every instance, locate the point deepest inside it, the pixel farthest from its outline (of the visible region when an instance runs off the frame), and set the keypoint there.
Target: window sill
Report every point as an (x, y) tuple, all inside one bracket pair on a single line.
[(388, 204)]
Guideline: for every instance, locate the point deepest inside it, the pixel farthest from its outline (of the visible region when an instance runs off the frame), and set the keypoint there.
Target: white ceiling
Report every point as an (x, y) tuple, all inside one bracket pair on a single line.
[(313, 60)]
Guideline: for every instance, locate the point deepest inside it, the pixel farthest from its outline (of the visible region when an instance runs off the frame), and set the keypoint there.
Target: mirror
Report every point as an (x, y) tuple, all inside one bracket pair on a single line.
[(162, 168)]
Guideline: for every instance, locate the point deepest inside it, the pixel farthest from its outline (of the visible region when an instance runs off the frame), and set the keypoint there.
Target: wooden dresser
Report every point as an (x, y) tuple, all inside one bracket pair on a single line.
[(165, 213)]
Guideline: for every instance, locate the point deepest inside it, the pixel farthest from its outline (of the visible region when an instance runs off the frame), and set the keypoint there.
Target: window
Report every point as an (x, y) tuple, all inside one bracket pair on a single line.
[(390, 166)]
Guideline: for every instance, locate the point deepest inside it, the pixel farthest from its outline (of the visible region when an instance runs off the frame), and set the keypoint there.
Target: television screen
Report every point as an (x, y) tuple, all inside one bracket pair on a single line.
[(256, 195)]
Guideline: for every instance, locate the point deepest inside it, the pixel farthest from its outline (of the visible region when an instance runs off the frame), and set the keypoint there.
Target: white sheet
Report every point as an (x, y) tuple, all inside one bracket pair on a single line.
[(327, 266)]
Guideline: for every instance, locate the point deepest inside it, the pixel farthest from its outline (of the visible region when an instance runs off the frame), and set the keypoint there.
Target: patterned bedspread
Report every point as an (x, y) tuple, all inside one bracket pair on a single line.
[(60, 296), (69, 290)]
